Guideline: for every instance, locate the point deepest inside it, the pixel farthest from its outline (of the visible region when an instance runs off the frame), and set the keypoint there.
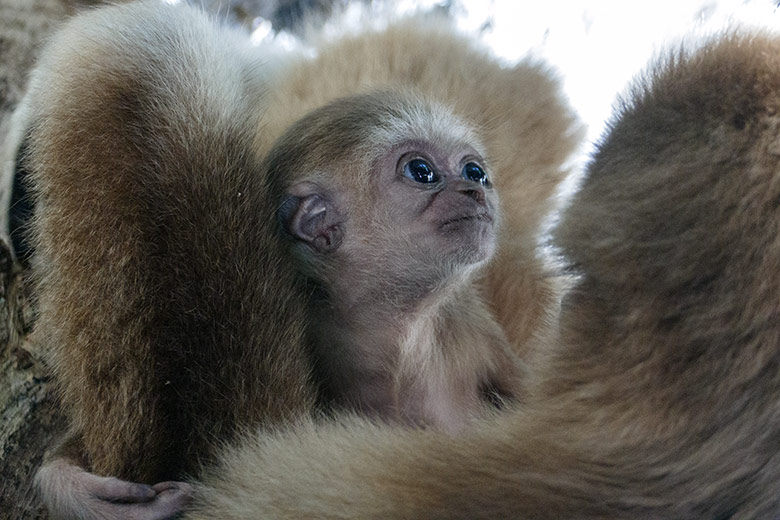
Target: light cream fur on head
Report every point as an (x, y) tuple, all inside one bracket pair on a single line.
[(528, 131)]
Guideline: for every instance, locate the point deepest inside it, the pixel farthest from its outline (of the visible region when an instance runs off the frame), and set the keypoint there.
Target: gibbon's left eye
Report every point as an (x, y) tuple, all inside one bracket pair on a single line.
[(474, 172)]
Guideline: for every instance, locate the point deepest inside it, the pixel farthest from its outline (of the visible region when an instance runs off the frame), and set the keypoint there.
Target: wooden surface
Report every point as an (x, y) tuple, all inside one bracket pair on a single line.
[(29, 417)]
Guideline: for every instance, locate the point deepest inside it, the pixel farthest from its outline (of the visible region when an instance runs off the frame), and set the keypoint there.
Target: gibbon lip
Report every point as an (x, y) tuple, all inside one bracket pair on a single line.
[(481, 216)]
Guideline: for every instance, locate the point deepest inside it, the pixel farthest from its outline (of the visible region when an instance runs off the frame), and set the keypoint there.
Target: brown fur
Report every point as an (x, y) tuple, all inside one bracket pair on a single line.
[(172, 318), (148, 229), (25, 26), (657, 395)]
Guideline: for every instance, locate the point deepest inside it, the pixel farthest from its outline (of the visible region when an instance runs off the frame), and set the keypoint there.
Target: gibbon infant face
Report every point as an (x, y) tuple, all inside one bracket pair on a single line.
[(440, 198), (409, 200)]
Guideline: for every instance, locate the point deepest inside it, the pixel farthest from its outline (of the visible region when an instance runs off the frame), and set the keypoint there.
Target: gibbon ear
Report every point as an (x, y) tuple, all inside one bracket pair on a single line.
[(312, 217)]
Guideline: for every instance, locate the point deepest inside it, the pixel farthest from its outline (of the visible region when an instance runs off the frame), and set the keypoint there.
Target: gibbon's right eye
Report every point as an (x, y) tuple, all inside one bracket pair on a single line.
[(420, 171)]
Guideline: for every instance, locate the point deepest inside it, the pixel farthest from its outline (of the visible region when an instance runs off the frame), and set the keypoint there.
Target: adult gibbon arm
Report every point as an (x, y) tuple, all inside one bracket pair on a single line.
[(170, 320), (657, 396)]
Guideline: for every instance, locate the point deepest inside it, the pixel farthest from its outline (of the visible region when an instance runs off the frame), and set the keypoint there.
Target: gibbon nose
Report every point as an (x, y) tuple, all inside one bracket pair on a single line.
[(471, 189)]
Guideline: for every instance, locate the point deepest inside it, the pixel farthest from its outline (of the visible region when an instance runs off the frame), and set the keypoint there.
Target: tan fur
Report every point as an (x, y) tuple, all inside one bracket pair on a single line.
[(24, 27), (529, 133), (657, 397), (111, 287)]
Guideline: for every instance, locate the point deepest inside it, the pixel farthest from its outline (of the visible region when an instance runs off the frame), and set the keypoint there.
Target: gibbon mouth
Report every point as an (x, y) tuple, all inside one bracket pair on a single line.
[(481, 216)]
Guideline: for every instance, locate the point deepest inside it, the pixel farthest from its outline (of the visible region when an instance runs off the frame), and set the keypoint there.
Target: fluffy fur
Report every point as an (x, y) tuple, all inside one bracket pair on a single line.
[(528, 131), (653, 397), (656, 397), (172, 316), (158, 280)]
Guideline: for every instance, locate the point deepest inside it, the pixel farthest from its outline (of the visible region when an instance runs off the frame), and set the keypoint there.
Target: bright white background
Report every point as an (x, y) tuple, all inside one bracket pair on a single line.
[(597, 46)]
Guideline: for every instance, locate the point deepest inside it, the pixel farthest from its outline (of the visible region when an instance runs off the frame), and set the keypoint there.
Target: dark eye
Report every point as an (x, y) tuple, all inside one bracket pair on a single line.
[(474, 172), (420, 171)]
